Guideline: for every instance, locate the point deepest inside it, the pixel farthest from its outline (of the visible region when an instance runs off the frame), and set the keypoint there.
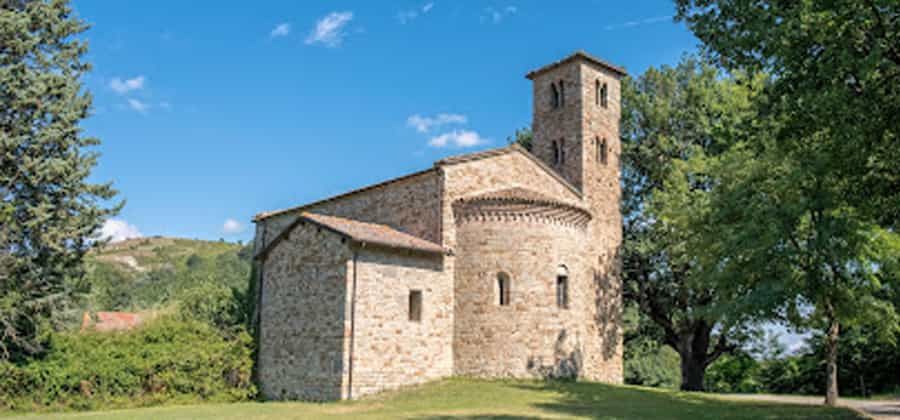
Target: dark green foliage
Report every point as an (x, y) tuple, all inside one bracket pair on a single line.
[(523, 137), (648, 363), (48, 210), (836, 68), (670, 115), (166, 361), (734, 373), (213, 304)]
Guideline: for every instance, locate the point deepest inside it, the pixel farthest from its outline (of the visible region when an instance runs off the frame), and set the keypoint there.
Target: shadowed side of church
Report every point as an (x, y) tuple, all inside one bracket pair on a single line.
[(497, 264)]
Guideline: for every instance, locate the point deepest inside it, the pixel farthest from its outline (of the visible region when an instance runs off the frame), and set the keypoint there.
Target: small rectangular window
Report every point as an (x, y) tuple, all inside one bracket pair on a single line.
[(562, 292), (415, 305)]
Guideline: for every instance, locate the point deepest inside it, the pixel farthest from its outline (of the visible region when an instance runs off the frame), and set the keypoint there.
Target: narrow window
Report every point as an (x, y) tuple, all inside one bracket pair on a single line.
[(562, 287), (597, 92), (415, 305), (562, 93), (503, 289), (556, 152), (602, 151), (554, 96), (604, 96), (562, 152)]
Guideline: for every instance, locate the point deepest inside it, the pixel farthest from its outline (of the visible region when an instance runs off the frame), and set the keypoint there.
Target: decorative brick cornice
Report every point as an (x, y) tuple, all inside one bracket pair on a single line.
[(519, 205)]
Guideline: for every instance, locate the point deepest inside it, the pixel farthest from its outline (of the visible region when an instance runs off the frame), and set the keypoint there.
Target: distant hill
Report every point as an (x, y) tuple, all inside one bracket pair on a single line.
[(151, 273)]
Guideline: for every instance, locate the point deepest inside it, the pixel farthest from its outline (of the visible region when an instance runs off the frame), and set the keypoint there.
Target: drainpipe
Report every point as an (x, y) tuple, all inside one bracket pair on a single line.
[(352, 326)]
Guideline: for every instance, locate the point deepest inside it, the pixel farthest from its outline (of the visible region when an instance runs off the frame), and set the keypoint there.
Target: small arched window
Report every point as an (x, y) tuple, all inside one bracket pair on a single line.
[(562, 287), (554, 96), (604, 95), (562, 152), (556, 152), (602, 151), (562, 93), (503, 285)]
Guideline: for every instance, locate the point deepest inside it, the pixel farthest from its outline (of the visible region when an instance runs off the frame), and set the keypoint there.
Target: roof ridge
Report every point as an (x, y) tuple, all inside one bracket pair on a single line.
[(578, 54)]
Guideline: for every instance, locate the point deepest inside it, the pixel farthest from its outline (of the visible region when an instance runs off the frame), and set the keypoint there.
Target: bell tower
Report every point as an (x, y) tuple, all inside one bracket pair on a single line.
[(576, 132)]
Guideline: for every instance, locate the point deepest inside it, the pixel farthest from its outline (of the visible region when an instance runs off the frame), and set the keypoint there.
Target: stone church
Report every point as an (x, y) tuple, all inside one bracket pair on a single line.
[(501, 263)]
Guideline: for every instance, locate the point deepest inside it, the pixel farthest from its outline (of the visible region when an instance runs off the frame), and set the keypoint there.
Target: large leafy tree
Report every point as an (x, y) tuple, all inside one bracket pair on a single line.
[(781, 233), (50, 212), (836, 65), (817, 200), (669, 116)]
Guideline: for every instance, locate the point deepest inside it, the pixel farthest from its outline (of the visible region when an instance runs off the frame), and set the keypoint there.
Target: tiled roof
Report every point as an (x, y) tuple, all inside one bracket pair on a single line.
[(578, 54), (268, 214), (373, 233), (362, 232)]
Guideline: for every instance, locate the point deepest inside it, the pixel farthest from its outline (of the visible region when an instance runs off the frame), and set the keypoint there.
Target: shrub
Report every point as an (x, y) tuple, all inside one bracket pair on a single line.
[(213, 304), (168, 360), (649, 364)]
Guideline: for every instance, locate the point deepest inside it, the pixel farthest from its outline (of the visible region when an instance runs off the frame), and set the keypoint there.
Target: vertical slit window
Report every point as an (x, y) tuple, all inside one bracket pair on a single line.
[(415, 305)]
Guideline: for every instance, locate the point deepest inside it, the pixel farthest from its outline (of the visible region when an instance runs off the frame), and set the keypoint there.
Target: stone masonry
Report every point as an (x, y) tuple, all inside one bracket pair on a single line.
[(502, 263)]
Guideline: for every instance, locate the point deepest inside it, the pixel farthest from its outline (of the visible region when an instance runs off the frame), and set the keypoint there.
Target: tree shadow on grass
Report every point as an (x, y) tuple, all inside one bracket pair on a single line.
[(478, 417), (600, 401)]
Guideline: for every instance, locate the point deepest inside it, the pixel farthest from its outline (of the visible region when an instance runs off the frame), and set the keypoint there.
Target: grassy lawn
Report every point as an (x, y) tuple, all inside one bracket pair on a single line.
[(474, 399)]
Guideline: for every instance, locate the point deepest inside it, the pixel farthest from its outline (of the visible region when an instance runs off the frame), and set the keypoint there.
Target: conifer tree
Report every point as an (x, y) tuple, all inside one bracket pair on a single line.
[(49, 213)]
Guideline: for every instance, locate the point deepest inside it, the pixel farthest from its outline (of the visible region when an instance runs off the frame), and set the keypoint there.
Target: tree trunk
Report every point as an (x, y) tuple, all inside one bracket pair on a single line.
[(831, 379), (692, 373)]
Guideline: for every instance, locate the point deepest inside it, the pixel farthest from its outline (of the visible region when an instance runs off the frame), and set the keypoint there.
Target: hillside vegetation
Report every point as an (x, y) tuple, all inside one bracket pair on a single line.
[(476, 399), (154, 273)]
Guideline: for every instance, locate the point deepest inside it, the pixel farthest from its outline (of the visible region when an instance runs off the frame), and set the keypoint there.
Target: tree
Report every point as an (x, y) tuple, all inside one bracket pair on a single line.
[(50, 212), (523, 137), (670, 115), (782, 234), (836, 64)]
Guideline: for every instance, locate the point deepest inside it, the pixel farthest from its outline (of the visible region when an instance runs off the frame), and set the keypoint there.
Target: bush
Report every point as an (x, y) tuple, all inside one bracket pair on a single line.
[(648, 363), (213, 304), (168, 360)]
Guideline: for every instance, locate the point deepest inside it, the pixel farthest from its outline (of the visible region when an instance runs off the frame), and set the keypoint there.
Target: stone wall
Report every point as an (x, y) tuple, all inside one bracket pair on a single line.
[(531, 336), (585, 123), (305, 316), (411, 204), (389, 350)]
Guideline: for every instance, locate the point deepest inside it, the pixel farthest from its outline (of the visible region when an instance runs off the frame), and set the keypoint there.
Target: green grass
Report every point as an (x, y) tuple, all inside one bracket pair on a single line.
[(476, 399)]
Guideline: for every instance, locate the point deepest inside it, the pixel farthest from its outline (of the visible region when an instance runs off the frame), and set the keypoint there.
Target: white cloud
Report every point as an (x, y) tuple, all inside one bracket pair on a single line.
[(232, 226), (138, 105), (634, 23), (425, 124), (117, 230), (124, 86), (329, 30), (282, 29), (497, 15), (405, 16), (457, 138)]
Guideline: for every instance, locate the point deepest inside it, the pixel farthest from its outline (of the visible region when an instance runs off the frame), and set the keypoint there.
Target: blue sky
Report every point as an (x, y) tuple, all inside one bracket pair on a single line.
[(210, 112)]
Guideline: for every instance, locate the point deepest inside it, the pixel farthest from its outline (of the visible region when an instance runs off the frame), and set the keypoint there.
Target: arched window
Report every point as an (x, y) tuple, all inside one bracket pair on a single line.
[(562, 152), (554, 96), (562, 287), (604, 96), (556, 152), (602, 151), (562, 93), (503, 289)]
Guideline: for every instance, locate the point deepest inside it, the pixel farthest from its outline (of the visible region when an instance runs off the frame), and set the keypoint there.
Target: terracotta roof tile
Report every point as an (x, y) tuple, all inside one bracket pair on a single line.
[(373, 233), (579, 54)]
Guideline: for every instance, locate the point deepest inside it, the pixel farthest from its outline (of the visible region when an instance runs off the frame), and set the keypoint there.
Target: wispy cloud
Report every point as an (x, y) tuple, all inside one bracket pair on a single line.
[(329, 31), (117, 230), (458, 139), (638, 22), (232, 226), (138, 106), (494, 15), (405, 16), (281, 29), (425, 124), (124, 86)]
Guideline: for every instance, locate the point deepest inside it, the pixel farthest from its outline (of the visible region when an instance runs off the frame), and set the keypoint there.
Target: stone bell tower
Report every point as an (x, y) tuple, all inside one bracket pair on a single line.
[(576, 132)]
